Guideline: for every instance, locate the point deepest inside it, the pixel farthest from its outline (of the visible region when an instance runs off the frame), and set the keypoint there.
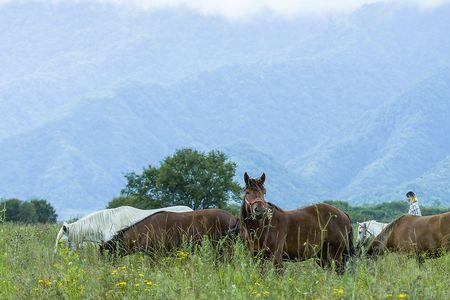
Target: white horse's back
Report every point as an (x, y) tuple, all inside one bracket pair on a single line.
[(369, 229), (101, 226)]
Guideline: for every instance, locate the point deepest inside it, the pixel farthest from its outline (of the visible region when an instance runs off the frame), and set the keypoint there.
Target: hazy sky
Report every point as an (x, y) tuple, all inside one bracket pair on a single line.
[(243, 9)]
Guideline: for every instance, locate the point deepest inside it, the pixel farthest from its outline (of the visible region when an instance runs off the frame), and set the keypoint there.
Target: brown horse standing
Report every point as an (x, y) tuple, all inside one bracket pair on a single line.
[(429, 235), (319, 231), (166, 231)]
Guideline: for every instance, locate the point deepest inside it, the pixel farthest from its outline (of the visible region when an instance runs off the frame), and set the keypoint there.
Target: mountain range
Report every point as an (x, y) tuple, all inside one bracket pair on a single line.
[(352, 107)]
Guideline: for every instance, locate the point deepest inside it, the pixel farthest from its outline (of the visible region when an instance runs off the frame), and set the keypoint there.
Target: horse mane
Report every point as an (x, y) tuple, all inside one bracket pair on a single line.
[(254, 184), (120, 232), (102, 219), (275, 206), (386, 232)]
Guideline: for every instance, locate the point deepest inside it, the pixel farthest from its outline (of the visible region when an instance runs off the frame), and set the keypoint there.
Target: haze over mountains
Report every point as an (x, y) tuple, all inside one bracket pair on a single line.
[(351, 107)]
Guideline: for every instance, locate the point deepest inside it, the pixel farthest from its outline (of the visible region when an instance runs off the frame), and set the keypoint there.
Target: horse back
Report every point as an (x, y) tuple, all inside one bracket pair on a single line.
[(213, 223), (321, 216), (314, 226), (421, 233)]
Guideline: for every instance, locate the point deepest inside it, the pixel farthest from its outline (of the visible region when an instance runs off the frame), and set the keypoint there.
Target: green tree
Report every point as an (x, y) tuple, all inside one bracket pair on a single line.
[(133, 201), (383, 212), (189, 177), (197, 179), (19, 211), (141, 190), (28, 211), (45, 212), (13, 207), (342, 205)]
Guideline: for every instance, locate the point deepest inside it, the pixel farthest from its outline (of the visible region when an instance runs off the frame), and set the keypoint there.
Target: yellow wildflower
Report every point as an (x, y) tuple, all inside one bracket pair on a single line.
[(166, 259), (181, 255), (121, 284), (338, 292), (148, 282), (47, 282), (402, 296)]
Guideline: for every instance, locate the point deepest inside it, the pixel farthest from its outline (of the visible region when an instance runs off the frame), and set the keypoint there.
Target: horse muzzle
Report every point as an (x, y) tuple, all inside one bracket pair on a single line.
[(258, 212)]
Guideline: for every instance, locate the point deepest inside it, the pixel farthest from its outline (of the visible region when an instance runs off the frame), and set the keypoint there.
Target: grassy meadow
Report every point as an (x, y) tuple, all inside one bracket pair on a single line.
[(30, 270)]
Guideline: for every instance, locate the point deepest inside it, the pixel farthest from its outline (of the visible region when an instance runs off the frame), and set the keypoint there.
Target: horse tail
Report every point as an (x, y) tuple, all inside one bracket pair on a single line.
[(351, 246), (58, 238), (350, 251)]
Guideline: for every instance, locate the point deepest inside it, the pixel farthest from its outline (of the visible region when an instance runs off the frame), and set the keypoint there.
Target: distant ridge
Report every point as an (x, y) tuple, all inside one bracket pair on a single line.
[(353, 108)]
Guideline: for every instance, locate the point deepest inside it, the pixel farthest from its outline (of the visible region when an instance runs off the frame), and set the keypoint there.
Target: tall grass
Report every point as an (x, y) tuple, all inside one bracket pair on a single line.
[(30, 270)]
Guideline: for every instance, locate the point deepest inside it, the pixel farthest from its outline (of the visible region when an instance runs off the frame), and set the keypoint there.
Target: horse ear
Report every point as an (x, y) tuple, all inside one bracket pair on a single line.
[(246, 179), (262, 179)]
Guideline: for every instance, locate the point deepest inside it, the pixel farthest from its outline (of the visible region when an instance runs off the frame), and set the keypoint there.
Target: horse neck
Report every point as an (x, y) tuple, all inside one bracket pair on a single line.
[(384, 235), (94, 225)]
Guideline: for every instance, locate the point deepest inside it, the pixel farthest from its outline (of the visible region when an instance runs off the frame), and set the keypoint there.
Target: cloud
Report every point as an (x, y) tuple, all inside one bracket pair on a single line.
[(244, 9)]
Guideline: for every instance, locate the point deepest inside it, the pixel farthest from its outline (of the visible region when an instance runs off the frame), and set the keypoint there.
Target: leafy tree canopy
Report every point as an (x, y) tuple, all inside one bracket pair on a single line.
[(45, 212), (36, 210), (189, 177), (384, 212)]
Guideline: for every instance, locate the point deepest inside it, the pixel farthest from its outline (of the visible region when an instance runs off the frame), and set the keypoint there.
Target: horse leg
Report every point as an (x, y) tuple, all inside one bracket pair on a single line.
[(278, 263), (101, 248), (277, 256), (420, 259), (340, 265), (322, 258), (338, 255), (348, 258), (71, 245)]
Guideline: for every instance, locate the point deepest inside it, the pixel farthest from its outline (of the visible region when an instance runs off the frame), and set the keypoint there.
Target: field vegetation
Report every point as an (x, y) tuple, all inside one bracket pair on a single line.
[(30, 270)]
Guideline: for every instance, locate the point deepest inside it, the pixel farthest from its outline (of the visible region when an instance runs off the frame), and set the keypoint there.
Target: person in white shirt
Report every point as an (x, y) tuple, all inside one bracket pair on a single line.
[(414, 208)]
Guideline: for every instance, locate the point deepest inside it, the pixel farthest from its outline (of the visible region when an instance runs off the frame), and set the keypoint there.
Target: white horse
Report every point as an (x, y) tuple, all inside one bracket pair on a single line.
[(368, 230), (101, 226)]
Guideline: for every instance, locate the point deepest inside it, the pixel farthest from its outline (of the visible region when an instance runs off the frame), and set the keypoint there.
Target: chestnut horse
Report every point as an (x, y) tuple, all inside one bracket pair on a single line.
[(166, 231), (427, 235), (318, 231)]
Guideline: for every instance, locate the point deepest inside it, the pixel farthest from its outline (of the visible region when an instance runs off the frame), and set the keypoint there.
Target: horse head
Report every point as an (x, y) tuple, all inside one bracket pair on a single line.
[(362, 231), (62, 234), (254, 201)]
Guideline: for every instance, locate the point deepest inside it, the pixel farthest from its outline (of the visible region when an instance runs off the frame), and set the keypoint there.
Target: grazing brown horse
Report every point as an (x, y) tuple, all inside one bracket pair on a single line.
[(428, 235), (166, 231), (318, 231)]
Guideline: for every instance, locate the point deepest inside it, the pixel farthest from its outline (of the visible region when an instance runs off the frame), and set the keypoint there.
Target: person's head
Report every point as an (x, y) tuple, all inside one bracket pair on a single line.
[(411, 197)]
